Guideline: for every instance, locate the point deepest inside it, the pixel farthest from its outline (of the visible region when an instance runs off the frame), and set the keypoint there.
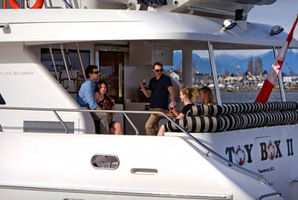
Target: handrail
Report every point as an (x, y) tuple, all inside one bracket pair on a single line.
[(261, 178), (209, 150)]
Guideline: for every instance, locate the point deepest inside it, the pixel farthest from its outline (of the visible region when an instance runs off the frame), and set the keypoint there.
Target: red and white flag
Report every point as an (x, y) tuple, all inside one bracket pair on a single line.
[(271, 80)]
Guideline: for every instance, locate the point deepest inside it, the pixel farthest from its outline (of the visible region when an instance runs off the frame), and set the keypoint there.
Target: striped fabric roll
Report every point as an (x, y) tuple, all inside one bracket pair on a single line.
[(170, 126), (198, 110), (235, 121), (290, 117), (195, 124), (226, 109)]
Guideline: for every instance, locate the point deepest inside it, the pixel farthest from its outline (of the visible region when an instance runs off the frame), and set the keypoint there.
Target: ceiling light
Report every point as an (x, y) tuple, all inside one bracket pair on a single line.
[(275, 30), (228, 24)]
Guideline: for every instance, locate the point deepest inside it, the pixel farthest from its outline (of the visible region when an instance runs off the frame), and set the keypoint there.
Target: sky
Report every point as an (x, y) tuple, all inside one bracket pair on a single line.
[(282, 12)]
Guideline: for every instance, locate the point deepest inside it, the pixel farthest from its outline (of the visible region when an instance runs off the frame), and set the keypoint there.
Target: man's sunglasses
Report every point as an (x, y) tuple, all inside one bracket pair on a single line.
[(97, 72), (158, 70)]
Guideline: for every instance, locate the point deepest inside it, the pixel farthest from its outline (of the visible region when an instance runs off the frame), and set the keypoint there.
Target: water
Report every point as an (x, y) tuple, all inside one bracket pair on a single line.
[(244, 97)]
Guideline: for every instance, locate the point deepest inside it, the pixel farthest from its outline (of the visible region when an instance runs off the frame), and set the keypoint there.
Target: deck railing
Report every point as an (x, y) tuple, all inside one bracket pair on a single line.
[(125, 112)]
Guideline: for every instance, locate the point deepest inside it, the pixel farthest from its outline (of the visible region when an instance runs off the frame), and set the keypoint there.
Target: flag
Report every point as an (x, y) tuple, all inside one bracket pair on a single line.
[(271, 80)]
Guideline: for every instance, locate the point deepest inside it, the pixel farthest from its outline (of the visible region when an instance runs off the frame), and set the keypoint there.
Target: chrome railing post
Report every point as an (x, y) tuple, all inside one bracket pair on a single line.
[(214, 74), (133, 126), (65, 64), (53, 61), (81, 61), (62, 122)]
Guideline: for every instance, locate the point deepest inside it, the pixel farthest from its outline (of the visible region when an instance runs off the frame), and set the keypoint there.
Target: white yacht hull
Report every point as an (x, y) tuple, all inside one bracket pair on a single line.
[(58, 166), (44, 165), (269, 151)]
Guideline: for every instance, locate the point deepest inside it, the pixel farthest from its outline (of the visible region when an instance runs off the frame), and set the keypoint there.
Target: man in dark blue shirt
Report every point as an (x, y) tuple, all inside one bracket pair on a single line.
[(160, 89)]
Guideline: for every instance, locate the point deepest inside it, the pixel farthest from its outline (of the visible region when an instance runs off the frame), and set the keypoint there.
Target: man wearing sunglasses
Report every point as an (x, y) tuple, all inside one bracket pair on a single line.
[(160, 89), (86, 94)]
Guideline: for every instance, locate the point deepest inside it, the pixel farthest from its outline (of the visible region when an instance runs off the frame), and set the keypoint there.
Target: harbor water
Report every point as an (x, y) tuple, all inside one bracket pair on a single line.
[(245, 97)]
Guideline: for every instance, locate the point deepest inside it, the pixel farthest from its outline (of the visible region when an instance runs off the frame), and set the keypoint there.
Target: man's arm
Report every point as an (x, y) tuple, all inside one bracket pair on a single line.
[(172, 93), (90, 99), (147, 93)]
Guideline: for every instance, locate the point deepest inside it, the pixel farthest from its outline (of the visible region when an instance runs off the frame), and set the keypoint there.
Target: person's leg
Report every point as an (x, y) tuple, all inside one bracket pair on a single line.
[(161, 131), (117, 128), (151, 125), (96, 122)]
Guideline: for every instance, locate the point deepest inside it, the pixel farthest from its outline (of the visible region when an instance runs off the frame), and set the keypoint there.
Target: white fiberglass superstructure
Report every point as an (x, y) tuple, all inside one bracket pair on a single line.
[(48, 146)]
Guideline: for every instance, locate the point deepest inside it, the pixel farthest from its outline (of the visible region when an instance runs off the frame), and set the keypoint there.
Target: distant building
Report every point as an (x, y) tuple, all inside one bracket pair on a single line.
[(250, 66), (258, 66), (202, 79), (175, 76), (290, 81)]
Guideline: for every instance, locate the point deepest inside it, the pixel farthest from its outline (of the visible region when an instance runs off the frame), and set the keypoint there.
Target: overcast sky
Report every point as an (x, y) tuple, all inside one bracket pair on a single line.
[(282, 12)]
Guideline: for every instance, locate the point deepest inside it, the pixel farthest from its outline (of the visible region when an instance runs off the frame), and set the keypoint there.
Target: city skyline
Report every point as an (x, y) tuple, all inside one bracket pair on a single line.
[(229, 62)]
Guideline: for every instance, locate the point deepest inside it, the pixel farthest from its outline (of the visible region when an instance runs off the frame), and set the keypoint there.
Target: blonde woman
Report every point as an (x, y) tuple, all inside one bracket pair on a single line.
[(187, 94), (206, 96)]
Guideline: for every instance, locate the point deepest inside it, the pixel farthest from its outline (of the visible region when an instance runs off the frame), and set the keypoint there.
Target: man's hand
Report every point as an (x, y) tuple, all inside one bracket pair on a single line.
[(142, 85), (172, 105), (98, 108), (147, 93)]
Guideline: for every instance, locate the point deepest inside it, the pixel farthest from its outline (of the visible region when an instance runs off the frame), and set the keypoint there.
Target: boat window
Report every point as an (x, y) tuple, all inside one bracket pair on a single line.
[(73, 64), (47, 127), (73, 60), (2, 102), (105, 162), (241, 74)]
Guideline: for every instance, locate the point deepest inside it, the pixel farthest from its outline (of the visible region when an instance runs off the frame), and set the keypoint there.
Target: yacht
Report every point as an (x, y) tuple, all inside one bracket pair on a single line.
[(48, 146)]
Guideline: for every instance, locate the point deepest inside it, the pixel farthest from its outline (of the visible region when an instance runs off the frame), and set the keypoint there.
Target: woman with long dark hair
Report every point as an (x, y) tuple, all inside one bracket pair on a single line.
[(106, 102)]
